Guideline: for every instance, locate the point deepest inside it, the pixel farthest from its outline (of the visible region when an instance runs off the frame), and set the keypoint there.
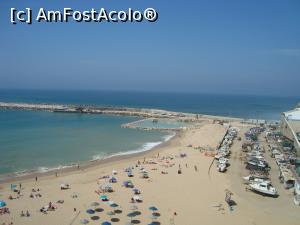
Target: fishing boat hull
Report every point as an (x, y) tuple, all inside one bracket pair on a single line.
[(256, 187), (221, 168), (297, 200)]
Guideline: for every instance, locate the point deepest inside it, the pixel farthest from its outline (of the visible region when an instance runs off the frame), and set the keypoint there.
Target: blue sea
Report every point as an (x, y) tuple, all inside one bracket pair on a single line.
[(243, 106), (43, 140)]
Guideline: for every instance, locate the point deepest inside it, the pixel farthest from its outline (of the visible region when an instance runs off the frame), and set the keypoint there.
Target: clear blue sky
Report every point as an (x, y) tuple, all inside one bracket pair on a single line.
[(243, 47)]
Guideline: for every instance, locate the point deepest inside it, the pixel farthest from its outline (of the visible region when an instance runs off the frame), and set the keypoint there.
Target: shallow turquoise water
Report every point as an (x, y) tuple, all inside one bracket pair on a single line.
[(31, 140)]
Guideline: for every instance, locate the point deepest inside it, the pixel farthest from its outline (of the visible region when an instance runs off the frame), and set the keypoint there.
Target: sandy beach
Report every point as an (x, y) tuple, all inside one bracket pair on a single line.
[(150, 112), (196, 196)]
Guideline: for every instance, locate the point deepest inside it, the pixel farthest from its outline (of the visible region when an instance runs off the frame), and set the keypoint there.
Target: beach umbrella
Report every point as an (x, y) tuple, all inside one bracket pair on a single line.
[(135, 221), (93, 204), (2, 203), (137, 213), (110, 213), (153, 208), (95, 218), (156, 214), (103, 197), (114, 205), (118, 211), (84, 221), (132, 214), (154, 223), (99, 210), (128, 183), (106, 223), (115, 220), (110, 202), (90, 211)]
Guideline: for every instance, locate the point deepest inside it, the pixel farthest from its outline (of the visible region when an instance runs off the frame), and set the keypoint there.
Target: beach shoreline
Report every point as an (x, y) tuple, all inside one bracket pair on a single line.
[(131, 112), (196, 119), (89, 164), (190, 197)]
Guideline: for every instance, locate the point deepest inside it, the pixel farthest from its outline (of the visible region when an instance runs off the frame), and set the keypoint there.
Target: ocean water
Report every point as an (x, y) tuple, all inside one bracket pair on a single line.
[(39, 140), (244, 106)]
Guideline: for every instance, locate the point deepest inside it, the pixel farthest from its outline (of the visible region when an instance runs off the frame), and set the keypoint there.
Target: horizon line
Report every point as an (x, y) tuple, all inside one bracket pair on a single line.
[(148, 91)]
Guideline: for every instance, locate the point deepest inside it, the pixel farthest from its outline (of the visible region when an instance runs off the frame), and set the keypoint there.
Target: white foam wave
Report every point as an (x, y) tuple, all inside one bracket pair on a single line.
[(99, 156), (43, 169), (145, 147), (39, 170), (169, 136)]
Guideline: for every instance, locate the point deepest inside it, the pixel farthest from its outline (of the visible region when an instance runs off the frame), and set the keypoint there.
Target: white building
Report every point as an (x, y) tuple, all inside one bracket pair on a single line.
[(290, 127)]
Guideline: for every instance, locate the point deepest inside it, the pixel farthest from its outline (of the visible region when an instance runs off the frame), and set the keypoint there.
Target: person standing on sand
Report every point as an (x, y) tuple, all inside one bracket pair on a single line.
[(179, 169), (196, 169), (36, 179)]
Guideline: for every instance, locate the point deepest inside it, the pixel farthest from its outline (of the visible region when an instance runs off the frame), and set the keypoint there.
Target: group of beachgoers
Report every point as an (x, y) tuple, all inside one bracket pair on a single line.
[(106, 185)]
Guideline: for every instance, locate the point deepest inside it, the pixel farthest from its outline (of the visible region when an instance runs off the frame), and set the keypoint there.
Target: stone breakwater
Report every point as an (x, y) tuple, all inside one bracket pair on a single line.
[(155, 113), (114, 110)]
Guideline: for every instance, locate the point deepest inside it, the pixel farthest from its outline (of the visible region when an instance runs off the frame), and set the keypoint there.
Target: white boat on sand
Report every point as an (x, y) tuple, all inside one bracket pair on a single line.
[(297, 200), (264, 188), (257, 179), (221, 167), (223, 160)]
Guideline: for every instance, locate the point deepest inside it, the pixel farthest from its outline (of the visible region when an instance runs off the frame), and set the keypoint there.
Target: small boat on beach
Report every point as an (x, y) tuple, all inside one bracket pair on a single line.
[(256, 179), (221, 167), (252, 177), (255, 155), (297, 200), (223, 160), (257, 163), (264, 188), (221, 155)]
